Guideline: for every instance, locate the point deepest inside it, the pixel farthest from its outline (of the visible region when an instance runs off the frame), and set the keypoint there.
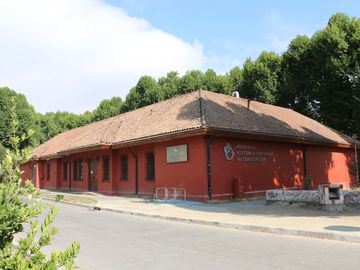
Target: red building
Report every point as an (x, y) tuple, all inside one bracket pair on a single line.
[(198, 143)]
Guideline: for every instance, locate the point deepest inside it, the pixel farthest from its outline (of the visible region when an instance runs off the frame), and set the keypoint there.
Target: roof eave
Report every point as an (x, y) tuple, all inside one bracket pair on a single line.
[(90, 147), (274, 137), (160, 137)]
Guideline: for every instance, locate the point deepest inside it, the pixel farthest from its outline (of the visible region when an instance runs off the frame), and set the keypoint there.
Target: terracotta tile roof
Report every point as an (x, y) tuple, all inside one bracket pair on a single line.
[(89, 135), (230, 113), (196, 110), (176, 114)]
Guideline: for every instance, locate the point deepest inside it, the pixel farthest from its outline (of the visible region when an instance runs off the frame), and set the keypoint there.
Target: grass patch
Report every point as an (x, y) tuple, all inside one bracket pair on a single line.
[(67, 198)]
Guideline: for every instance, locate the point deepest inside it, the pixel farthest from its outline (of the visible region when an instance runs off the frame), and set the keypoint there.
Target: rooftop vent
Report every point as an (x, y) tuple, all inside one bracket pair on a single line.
[(235, 94)]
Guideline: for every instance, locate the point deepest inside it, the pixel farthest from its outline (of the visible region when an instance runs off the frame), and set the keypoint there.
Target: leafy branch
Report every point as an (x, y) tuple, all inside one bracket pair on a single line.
[(20, 205)]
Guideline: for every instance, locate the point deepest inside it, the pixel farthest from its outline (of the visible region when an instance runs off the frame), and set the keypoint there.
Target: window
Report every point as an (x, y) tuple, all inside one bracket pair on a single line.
[(150, 166), (75, 175), (124, 168), (106, 169), (48, 171), (80, 170), (65, 171), (177, 153)]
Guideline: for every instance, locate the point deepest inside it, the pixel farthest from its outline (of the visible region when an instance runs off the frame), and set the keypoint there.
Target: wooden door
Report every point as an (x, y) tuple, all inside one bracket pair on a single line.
[(93, 171)]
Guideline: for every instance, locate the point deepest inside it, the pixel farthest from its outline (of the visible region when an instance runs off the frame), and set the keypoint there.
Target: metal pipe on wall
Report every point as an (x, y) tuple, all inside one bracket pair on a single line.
[(354, 136), (208, 150)]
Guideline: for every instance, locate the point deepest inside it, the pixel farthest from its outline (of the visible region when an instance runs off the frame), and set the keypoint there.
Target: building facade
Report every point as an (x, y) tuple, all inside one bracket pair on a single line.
[(198, 146)]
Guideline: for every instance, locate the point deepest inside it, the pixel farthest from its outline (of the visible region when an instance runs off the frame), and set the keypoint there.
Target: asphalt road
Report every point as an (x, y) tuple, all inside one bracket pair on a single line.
[(116, 241)]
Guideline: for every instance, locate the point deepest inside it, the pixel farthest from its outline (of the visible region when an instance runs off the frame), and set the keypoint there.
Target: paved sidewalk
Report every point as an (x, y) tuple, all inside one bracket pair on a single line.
[(253, 215)]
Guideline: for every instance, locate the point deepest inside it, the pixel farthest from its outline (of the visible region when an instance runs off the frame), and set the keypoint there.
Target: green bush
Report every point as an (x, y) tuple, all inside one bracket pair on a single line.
[(307, 182), (20, 205), (354, 169)]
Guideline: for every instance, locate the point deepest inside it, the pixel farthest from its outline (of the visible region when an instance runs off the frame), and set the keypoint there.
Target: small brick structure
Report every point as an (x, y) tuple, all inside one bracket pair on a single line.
[(331, 194)]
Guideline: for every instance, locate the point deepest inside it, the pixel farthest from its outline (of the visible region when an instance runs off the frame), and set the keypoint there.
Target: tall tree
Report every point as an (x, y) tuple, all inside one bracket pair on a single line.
[(235, 77), (299, 77), (260, 78), (146, 92), (216, 83), (191, 81), (169, 85), (28, 119), (337, 54), (54, 123), (108, 108), (86, 118)]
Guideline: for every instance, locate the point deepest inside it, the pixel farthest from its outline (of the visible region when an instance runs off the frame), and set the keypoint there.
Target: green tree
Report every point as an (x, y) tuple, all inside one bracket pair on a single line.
[(85, 118), (354, 169), (132, 101), (28, 119), (169, 85), (235, 77), (216, 83), (19, 205), (191, 81), (146, 92), (48, 126), (108, 108), (337, 87), (299, 77), (52, 124), (261, 78), (321, 75)]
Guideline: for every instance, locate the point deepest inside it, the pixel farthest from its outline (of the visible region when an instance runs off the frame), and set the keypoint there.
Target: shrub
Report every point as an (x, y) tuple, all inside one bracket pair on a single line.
[(20, 205), (354, 168)]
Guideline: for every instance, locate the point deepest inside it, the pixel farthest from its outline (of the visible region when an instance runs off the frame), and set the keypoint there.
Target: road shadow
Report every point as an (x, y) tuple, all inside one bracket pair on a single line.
[(343, 228), (261, 208)]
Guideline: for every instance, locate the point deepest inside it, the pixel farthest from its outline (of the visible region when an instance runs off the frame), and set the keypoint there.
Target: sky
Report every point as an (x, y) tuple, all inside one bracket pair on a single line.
[(68, 55)]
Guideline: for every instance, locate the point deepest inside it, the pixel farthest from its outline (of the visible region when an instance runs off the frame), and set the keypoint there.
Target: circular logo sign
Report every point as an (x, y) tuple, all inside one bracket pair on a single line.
[(229, 152)]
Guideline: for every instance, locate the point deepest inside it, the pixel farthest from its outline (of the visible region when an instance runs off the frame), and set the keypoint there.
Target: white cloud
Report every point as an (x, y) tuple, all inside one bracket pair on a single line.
[(69, 55)]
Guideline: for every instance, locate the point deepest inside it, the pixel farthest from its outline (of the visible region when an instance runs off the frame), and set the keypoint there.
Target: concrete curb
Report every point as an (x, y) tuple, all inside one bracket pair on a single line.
[(235, 226), (71, 203)]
